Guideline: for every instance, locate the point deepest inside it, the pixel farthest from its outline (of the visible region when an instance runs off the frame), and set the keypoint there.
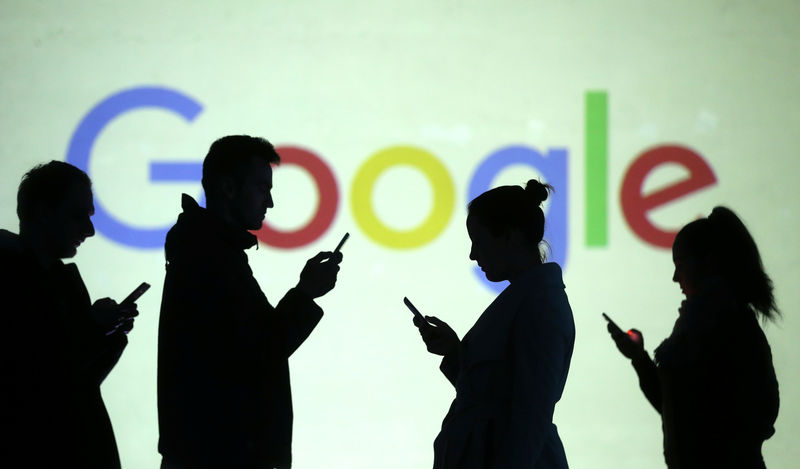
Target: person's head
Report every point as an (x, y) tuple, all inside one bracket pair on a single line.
[(506, 226), (720, 246), (54, 206), (237, 179)]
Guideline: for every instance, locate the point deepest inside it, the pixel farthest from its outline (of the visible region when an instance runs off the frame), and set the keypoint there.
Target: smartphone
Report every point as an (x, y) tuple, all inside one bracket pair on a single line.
[(415, 311), (613, 324), (135, 294), (341, 243)]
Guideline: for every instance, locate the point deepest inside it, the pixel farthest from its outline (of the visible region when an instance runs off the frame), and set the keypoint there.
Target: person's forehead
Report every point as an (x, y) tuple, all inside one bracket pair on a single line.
[(475, 227), (77, 197), (258, 171)]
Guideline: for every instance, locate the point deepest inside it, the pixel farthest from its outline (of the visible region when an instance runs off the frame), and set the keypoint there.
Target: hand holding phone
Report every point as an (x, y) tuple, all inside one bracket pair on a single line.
[(336, 255), (612, 326), (630, 344), (341, 243), (135, 294), (439, 338), (419, 320)]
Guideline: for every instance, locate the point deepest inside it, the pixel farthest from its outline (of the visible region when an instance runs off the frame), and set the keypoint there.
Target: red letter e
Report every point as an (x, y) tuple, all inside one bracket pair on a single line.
[(635, 205)]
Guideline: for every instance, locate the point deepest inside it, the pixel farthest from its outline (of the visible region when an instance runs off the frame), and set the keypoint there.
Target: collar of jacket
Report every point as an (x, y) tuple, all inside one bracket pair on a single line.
[(548, 273), (13, 246), (241, 239)]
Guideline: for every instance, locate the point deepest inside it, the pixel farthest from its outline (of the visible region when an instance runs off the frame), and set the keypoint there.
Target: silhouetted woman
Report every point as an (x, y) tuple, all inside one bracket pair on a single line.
[(509, 370), (712, 380)]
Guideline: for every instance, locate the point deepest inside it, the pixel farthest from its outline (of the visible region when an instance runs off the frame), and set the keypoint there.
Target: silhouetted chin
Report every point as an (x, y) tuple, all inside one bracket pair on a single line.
[(68, 252), (256, 225), (493, 278)]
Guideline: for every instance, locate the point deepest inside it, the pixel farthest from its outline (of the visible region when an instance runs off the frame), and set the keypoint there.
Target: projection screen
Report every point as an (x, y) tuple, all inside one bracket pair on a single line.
[(390, 117)]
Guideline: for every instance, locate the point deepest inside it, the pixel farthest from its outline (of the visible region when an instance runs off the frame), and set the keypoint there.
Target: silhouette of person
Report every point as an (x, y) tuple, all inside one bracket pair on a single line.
[(224, 399), (712, 380), (509, 370), (56, 346)]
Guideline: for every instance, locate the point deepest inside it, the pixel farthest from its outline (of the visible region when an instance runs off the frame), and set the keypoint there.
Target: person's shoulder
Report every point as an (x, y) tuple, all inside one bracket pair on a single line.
[(190, 232), (544, 293), (12, 253), (544, 275), (16, 266), (10, 243)]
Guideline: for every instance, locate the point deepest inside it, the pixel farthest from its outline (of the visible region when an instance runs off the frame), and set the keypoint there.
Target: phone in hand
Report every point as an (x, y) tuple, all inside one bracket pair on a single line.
[(341, 243), (416, 312), (614, 325), (634, 334), (135, 294)]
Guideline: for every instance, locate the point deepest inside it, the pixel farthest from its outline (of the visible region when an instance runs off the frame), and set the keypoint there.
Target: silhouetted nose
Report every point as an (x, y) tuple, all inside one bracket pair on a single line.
[(88, 229)]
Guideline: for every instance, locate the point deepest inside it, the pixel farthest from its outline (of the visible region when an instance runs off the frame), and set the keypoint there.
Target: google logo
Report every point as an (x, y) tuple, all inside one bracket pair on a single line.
[(552, 164)]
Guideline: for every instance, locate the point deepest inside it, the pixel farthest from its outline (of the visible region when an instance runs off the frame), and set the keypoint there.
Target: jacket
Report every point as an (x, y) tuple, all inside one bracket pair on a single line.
[(713, 384), (224, 398), (509, 371), (54, 359)]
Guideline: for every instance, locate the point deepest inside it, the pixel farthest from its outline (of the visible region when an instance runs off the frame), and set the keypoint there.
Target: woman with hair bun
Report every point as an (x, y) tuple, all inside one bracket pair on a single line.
[(509, 370), (712, 380)]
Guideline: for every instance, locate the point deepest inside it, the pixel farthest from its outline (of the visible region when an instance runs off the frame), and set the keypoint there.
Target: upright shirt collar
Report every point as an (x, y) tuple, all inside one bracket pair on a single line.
[(239, 238)]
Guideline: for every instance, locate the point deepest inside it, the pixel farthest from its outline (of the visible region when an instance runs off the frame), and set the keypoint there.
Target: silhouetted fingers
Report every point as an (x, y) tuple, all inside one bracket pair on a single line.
[(435, 321), (126, 325), (321, 256), (427, 333), (636, 336), (422, 326), (128, 310), (105, 302), (616, 333)]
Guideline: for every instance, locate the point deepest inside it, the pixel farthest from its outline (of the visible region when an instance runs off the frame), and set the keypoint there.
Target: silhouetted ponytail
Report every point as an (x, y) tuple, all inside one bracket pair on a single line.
[(723, 236), (740, 260)]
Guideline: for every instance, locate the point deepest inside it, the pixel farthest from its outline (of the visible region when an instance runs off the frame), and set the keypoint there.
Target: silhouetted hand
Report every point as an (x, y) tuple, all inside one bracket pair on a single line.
[(630, 344), (111, 317), (439, 338), (319, 275)]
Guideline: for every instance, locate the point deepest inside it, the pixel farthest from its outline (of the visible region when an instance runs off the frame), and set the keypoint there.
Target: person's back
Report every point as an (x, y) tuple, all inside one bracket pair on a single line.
[(56, 351), (37, 404), (719, 390), (224, 397), (712, 380), (510, 369), (217, 346)]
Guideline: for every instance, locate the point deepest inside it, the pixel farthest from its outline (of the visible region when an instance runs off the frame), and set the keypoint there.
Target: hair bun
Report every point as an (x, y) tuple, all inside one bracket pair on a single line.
[(537, 191)]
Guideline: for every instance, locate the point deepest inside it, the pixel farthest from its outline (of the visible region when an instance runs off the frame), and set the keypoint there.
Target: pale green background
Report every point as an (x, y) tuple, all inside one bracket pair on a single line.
[(459, 79)]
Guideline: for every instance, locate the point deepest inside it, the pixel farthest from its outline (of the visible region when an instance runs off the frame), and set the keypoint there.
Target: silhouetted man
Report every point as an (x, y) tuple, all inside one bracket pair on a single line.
[(56, 347), (223, 374)]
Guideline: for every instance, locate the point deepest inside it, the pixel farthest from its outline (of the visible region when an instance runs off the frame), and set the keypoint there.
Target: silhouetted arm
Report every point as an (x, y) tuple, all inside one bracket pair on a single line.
[(648, 379), (631, 345), (107, 356), (300, 315), (95, 353), (450, 366)]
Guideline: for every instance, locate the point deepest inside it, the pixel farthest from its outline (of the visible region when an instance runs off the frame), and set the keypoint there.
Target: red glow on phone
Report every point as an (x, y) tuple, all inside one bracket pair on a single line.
[(634, 336)]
